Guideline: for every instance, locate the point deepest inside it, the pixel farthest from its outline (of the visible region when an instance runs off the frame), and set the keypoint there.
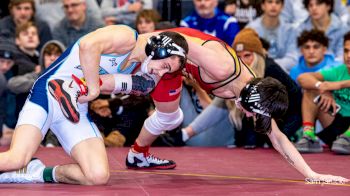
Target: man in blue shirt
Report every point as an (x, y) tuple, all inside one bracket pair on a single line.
[(209, 19), (313, 46)]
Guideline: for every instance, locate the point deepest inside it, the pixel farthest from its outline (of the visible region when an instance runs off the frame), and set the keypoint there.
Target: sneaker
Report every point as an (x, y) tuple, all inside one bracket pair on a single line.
[(171, 138), (136, 160), (32, 173), (341, 145), (308, 145), (66, 95)]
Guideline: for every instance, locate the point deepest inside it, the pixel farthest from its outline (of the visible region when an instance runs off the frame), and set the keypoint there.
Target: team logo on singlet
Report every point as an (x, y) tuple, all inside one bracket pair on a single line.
[(101, 71), (173, 92), (113, 61)]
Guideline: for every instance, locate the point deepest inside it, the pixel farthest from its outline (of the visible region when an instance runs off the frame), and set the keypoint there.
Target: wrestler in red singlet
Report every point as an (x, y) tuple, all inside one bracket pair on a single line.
[(169, 87)]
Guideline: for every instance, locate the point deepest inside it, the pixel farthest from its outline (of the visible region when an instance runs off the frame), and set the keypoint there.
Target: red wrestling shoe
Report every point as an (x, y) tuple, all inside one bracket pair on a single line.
[(67, 93)]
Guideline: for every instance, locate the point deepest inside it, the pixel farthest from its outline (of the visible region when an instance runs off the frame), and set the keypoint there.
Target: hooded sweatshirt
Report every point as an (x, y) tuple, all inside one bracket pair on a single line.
[(23, 83)]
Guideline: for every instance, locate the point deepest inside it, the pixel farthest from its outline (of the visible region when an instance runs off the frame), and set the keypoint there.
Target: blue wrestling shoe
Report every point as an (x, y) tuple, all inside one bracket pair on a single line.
[(32, 173), (136, 160)]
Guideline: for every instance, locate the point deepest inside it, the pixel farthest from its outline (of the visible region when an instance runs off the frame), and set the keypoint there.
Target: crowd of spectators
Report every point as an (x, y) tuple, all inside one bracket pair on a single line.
[(302, 43)]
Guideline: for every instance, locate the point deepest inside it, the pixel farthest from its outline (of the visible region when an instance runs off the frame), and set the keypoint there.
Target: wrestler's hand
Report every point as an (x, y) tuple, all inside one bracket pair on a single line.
[(92, 94), (326, 178)]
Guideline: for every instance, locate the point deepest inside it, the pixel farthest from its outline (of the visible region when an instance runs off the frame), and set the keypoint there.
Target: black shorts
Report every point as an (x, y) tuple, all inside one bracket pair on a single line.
[(339, 125)]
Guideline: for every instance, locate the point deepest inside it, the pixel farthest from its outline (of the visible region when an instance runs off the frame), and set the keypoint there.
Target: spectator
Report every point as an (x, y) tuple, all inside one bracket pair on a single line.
[(313, 46), (321, 17), (244, 10), (27, 41), (281, 36), (120, 11), (147, 20), (23, 11), (48, 54), (209, 19), (295, 13), (8, 53), (333, 87), (21, 84), (52, 11), (76, 22)]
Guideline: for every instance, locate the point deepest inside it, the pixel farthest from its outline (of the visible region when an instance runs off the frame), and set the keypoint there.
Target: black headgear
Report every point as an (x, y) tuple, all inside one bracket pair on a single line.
[(250, 100), (162, 46)]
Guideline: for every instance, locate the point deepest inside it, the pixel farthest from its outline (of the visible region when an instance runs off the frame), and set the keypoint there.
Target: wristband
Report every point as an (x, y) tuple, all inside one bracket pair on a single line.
[(318, 84)]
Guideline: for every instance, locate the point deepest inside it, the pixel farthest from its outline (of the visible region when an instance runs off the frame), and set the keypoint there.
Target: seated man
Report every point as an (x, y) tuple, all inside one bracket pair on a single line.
[(332, 86), (313, 46)]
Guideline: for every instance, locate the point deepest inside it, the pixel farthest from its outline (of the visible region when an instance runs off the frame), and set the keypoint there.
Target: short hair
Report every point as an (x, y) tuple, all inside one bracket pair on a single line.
[(313, 35), (180, 41), (273, 99), (24, 27), (282, 1), (17, 2), (327, 2), (152, 15), (52, 48), (229, 2)]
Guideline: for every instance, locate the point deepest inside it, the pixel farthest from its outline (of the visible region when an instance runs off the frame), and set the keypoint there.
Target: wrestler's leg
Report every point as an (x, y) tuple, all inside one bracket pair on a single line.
[(91, 167), (145, 137), (25, 141), (83, 142)]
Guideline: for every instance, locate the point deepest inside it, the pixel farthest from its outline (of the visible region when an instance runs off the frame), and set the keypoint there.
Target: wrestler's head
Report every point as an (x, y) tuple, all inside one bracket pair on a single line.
[(166, 53), (263, 99)]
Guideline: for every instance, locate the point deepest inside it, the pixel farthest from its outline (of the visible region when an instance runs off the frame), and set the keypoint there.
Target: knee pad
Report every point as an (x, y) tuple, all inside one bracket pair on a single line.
[(159, 121)]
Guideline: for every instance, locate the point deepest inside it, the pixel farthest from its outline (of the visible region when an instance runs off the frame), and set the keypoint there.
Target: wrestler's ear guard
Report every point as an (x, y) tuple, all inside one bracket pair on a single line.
[(162, 46)]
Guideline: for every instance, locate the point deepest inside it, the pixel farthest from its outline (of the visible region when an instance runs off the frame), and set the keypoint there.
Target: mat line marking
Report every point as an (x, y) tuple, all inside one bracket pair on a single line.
[(226, 177)]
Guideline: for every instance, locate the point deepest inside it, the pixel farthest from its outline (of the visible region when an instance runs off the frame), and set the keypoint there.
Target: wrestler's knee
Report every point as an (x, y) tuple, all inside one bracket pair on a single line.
[(16, 162), (97, 176)]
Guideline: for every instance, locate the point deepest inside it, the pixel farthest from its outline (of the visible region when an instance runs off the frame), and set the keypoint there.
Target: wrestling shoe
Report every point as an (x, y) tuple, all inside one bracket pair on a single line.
[(32, 173), (136, 160), (308, 145), (341, 145), (67, 93)]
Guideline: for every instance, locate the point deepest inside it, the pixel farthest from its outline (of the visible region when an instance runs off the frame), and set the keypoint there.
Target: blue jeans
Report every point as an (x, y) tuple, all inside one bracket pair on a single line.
[(212, 125)]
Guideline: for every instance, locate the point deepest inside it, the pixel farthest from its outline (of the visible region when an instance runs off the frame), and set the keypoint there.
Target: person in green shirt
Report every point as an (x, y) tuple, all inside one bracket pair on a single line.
[(327, 98)]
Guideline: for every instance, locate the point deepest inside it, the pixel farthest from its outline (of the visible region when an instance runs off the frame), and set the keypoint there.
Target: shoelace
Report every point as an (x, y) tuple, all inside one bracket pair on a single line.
[(152, 158)]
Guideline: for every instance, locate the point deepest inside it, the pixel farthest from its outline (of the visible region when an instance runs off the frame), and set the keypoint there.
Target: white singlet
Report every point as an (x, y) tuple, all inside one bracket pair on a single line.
[(43, 111)]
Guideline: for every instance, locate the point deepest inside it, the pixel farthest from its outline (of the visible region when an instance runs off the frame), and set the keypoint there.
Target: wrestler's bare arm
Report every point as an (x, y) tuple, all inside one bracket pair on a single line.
[(117, 39), (281, 143), (212, 57)]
